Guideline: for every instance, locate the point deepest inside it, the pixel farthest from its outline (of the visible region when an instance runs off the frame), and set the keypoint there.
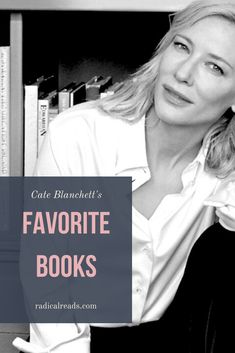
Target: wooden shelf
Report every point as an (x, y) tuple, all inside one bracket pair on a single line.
[(94, 5)]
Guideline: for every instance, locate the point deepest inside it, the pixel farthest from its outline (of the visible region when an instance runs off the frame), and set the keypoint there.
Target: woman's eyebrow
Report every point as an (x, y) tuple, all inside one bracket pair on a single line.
[(185, 37), (217, 57)]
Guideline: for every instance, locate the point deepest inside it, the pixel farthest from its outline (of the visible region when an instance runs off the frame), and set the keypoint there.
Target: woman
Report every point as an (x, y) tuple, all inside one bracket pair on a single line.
[(171, 127)]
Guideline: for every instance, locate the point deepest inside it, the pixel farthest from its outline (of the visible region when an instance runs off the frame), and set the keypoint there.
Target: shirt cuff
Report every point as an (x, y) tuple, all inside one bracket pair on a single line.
[(226, 225), (76, 344)]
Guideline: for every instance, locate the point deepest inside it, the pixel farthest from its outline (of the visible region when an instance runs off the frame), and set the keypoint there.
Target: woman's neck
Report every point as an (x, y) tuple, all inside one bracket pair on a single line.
[(171, 144)]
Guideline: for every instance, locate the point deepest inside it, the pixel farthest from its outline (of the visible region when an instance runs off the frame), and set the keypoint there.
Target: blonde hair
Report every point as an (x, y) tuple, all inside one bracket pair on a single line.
[(135, 97)]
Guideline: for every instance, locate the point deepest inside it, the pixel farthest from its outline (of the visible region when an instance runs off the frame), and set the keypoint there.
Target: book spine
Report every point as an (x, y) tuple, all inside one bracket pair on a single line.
[(64, 101), (43, 121), (71, 102), (31, 118), (78, 95), (4, 111)]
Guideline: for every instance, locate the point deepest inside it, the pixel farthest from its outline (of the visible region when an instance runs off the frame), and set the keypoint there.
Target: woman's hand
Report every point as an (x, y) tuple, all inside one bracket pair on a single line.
[(224, 201)]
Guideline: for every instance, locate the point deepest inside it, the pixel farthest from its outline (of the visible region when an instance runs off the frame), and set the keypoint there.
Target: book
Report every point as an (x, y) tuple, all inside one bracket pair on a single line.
[(96, 86), (78, 94), (4, 110), (111, 89), (64, 96), (33, 91), (91, 87), (45, 103), (53, 106), (43, 120)]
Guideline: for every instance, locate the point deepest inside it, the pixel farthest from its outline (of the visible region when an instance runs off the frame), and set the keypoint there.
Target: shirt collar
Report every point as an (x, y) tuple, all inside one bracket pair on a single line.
[(191, 172), (201, 156), (131, 152)]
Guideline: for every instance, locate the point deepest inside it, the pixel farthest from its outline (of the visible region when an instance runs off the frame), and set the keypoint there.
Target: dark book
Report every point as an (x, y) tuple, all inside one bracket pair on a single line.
[(78, 94), (92, 88), (96, 86)]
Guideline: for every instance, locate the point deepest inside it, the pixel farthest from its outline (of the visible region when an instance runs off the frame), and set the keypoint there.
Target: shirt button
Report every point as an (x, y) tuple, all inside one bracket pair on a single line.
[(138, 290)]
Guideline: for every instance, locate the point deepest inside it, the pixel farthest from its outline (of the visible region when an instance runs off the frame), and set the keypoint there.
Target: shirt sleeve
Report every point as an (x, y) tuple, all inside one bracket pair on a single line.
[(56, 338), (44, 337), (224, 201)]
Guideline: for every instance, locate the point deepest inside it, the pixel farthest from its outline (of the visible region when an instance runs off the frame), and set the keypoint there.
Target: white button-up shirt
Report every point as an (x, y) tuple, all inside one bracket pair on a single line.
[(85, 142)]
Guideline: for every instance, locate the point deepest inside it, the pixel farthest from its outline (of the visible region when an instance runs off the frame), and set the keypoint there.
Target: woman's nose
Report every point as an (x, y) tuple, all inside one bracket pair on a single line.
[(184, 72)]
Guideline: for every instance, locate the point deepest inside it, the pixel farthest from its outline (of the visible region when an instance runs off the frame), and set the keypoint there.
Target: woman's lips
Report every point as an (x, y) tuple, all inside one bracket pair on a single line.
[(175, 97)]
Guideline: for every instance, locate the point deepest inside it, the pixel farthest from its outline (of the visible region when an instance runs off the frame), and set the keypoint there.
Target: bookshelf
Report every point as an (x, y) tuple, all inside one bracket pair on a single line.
[(70, 59)]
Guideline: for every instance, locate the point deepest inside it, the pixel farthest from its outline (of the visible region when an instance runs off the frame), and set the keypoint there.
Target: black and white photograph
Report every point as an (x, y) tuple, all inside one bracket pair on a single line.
[(138, 90)]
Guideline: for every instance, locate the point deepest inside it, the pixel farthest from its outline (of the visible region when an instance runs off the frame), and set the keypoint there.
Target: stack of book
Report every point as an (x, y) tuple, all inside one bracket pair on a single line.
[(43, 102), (97, 85), (75, 93), (71, 94)]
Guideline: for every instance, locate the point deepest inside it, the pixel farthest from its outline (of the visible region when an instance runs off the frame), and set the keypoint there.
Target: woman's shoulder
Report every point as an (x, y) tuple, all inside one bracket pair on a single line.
[(82, 118)]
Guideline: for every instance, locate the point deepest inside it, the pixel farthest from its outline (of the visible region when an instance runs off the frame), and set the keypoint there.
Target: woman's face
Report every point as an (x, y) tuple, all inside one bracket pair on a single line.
[(196, 81)]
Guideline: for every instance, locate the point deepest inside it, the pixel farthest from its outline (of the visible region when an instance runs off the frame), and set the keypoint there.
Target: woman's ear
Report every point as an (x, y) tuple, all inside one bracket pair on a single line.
[(233, 108)]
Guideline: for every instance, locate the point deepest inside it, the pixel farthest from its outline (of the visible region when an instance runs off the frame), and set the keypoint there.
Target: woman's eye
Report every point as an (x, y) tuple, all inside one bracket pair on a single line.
[(215, 68), (180, 46)]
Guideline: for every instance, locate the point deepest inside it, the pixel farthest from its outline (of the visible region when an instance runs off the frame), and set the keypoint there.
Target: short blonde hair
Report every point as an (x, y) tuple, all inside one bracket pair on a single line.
[(135, 97)]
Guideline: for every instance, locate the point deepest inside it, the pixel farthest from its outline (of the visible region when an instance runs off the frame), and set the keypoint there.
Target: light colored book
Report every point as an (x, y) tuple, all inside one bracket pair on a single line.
[(33, 92), (111, 89), (64, 96), (30, 125), (43, 121), (45, 105), (4, 110)]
